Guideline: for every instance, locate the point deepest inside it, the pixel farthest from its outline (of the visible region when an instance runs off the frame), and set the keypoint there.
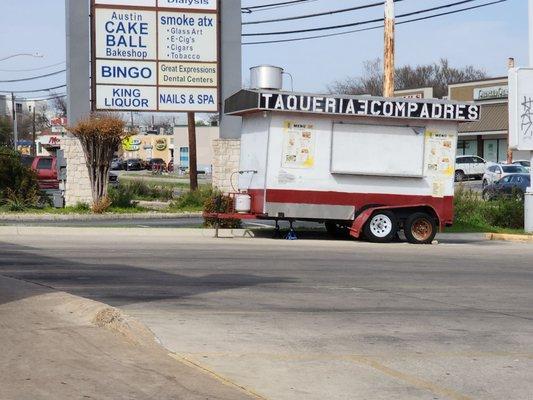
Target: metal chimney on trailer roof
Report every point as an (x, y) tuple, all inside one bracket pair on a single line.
[(266, 77)]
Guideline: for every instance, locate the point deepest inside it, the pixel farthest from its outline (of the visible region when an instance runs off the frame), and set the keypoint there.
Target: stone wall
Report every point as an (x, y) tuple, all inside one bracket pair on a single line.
[(78, 185), (226, 160)]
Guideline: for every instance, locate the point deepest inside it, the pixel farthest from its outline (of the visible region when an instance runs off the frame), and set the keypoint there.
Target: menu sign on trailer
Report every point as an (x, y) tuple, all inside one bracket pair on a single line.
[(155, 55)]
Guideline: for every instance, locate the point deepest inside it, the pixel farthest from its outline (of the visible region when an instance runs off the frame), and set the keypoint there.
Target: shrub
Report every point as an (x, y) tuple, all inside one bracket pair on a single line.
[(220, 203), (122, 197), (101, 206), (471, 210), (141, 190), (192, 200), (505, 213), (19, 188)]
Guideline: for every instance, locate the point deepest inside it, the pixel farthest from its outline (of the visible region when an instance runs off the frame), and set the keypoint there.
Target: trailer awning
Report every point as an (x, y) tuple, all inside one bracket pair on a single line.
[(250, 101)]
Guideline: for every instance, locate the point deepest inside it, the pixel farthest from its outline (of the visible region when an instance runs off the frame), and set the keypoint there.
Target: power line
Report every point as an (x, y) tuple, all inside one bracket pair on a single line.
[(59, 96), (33, 91), (324, 28), (374, 27), (32, 69), (34, 77), (284, 3), (344, 10), (268, 7)]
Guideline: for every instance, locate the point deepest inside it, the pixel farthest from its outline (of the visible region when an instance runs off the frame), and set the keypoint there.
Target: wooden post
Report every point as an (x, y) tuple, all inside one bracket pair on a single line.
[(510, 64), (34, 134), (193, 171), (15, 121), (388, 67)]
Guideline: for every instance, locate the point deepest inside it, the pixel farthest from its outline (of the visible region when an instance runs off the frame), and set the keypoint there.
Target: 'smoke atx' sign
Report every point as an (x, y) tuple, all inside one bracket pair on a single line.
[(155, 55)]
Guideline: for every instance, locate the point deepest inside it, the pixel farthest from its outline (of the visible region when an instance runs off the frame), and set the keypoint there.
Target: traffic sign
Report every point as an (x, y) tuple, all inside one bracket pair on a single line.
[(155, 55)]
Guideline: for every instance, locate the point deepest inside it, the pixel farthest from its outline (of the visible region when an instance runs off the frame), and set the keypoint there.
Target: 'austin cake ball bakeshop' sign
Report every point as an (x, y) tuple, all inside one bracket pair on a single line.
[(155, 55)]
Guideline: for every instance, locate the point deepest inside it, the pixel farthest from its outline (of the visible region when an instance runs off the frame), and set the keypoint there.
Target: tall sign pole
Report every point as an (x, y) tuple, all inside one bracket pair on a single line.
[(388, 68), (528, 201)]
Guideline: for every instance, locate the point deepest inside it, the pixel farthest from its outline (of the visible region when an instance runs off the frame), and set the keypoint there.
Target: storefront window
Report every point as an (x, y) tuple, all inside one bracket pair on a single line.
[(467, 148), (184, 157), (502, 150), (490, 150)]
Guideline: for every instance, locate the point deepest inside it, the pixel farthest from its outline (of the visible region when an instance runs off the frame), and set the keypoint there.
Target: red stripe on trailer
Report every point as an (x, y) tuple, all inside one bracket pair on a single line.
[(443, 206)]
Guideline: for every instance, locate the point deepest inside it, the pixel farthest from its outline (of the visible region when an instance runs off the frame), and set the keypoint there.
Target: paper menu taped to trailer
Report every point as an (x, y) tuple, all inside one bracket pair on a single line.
[(298, 145), (440, 160)]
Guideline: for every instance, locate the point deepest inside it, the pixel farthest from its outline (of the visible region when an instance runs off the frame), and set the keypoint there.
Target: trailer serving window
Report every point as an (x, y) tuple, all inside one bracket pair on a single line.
[(378, 150)]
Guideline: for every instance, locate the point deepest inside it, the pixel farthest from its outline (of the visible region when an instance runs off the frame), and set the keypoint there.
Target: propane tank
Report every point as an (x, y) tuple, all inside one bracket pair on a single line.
[(243, 203)]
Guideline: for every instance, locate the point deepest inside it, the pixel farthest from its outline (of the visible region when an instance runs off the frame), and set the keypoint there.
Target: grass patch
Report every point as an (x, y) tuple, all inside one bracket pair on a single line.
[(473, 214)]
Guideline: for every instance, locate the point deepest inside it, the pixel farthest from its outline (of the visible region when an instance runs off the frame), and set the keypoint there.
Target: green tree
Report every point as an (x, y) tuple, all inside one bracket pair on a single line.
[(100, 135), (437, 75), (6, 132)]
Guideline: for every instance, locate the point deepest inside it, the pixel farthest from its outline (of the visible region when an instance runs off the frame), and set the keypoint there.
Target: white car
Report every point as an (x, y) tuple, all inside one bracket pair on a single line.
[(468, 167), (524, 163), (496, 172)]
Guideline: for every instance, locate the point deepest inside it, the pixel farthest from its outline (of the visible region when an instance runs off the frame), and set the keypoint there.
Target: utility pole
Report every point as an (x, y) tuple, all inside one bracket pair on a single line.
[(193, 169), (528, 200), (510, 64), (388, 67), (34, 134), (15, 122)]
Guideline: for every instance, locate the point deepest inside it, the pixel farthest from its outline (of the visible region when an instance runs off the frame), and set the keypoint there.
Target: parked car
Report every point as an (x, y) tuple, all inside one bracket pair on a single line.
[(133, 164), (496, 172), (46, 169), (156, 164), (510, 186), (469, 167), (524, 163), (117, 164), (113, 179)]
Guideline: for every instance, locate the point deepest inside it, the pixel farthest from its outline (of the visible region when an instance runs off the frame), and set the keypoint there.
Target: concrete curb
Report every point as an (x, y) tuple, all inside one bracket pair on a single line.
[(11, 217), (510, 237), (21, 230)]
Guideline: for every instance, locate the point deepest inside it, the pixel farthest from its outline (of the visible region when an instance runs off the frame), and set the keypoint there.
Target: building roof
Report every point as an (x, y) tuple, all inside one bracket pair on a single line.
[(494, 117)]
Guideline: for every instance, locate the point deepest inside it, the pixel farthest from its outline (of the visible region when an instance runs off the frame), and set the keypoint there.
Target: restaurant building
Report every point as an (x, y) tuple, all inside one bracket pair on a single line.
[(488, 137)]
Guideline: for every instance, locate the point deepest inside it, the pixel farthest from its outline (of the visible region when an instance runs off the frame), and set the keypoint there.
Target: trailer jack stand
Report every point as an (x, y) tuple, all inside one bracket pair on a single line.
[(277, 231), (292, 233)]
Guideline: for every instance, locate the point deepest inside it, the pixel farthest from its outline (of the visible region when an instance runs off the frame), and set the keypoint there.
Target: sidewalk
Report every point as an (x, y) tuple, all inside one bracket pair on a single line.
[(58, 346)]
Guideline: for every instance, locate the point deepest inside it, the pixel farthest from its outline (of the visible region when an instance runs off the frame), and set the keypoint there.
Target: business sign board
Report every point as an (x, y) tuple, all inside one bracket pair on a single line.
[(155, 55), (521, 109), (491, 93)]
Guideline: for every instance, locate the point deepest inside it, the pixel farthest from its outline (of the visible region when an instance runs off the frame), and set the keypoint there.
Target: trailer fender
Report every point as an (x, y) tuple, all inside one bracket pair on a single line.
[(360, 221)]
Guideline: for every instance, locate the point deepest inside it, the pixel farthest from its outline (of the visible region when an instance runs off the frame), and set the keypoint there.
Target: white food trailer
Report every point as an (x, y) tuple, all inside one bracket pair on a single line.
[(365, 165)]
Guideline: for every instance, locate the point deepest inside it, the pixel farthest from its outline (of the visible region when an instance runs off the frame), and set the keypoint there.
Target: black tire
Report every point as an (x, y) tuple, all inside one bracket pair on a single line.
[(381, 227), (459, 176), (484, 184), (336, 230), (420, 228)]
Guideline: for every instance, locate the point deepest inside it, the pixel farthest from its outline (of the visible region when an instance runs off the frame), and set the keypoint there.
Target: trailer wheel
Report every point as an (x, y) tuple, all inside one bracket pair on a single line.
[(381, 227), (420, 228)]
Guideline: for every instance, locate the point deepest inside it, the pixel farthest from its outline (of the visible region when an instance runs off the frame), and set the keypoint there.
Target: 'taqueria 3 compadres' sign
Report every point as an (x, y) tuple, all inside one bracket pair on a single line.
[(155, 55)]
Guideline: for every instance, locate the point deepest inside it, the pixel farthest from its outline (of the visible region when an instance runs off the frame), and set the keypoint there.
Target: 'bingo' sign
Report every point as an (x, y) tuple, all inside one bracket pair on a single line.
[(155, 55)]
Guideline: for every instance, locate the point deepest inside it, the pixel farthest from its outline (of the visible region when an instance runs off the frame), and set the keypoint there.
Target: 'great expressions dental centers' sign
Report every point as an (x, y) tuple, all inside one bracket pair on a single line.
[(155, 55)]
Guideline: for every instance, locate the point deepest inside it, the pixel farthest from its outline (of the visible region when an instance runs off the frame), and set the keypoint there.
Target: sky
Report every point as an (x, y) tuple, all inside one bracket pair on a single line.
[(484, 38)]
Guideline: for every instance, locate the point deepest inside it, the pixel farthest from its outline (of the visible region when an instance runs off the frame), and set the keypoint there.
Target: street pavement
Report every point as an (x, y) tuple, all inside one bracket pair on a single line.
[(54, 345), (313, 318)]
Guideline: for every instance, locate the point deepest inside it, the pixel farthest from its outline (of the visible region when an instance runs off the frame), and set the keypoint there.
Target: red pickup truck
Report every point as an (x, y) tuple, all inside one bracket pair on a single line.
[(46, 169)]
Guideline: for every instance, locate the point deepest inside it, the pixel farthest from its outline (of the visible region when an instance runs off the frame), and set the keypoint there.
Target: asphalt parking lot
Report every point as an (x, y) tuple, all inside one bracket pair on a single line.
[(311, 319)]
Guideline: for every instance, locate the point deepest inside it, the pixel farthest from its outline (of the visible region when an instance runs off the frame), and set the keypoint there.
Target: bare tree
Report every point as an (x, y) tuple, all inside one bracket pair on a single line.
[(437, 75), (59, 104), (100, 135)]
